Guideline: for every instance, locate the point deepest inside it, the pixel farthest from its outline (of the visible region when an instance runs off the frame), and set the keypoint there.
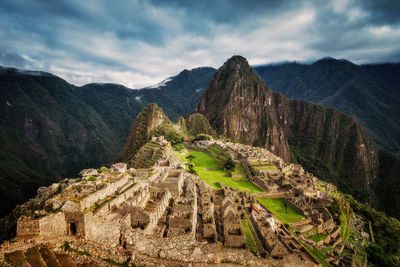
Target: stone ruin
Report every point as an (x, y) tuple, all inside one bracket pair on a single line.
[(154, 209)]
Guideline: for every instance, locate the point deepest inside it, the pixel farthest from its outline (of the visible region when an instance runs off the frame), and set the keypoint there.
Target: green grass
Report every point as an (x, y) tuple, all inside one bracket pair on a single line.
[(239, 172), (265, 168), (204, 162), (344, 227), (249, 238), (217, 155), (317, 237), (319, 254), (217, 149), (277, 207)]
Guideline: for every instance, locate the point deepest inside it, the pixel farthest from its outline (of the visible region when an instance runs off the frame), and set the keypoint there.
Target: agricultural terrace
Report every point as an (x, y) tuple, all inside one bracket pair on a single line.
[(278, 208), (208, 170)]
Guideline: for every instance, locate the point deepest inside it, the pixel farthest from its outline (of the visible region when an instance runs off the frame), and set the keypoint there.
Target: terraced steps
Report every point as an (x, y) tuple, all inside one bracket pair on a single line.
[(38, 257), (147, 155)]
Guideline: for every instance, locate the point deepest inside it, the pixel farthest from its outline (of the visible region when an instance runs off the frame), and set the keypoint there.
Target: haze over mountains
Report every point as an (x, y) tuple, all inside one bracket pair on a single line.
[(51, 129)]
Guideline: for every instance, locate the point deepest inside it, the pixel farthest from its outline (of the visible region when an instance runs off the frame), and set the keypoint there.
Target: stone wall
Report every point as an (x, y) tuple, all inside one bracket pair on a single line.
[(53, 225), (158, 212), (102, 231), (75, 223), (136, 190), (294, 206), (174, 182), (27, 226), (88, 201), (274, 195)]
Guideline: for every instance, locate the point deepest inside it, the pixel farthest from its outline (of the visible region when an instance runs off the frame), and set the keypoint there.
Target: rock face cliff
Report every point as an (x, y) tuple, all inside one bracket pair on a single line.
[(240, 106), (328, 143)]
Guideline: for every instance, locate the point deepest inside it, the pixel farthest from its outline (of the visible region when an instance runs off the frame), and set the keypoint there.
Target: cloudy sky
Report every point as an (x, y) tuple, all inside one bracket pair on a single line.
[(139, 43)]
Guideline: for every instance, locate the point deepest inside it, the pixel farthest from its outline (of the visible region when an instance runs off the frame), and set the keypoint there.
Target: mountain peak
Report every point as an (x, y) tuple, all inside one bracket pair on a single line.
[(331, 60), (234, 90), (146, 121), (237, 63)]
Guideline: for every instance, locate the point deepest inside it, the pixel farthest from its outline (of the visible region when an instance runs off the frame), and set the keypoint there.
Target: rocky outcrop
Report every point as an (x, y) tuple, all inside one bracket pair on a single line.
[(240, 106), (147, 120), (195, 124)]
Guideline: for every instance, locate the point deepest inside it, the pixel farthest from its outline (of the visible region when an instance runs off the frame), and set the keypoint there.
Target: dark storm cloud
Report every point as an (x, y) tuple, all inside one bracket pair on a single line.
[(138, 42), (12, 60), (383, 11)]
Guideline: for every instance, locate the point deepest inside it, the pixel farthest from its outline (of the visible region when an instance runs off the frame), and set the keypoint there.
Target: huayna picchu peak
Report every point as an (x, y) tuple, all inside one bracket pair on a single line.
[(250, 178), (239, 106)]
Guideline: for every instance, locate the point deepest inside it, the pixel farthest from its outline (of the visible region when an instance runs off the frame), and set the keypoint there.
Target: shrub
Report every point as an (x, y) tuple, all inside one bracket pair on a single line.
[(91, 178), (190, 158), (178, 147), (229, 164), (377, 255), (286, 187), (169, 132), (252, 170), (191, 168), (103, 169), (201, 137)]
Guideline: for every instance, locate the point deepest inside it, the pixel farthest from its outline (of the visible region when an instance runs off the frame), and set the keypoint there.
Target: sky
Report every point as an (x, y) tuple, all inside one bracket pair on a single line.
[(139, 43)]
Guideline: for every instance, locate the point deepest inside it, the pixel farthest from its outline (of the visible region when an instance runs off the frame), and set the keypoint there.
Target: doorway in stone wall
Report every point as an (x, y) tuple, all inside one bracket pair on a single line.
[(72, 229)]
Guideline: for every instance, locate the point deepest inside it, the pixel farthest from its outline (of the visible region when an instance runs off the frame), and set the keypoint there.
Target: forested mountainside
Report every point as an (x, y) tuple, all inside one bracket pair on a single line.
[(51, 129), (369, 93)]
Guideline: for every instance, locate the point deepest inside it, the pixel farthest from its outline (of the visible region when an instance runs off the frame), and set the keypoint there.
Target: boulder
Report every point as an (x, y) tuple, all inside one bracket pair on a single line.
[(41, 190), (118, 167), (71, 206), (88, 172)]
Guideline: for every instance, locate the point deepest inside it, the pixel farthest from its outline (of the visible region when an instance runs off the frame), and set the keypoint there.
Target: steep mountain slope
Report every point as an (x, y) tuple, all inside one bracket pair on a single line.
[(180, 94), (195, 124), (145, 123), (368, 93), (325, 141), (238, 104), (47, 132), (51, 129)]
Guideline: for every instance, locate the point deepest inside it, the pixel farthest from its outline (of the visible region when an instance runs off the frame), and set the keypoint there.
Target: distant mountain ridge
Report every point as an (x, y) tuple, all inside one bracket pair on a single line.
[(370, 93), (51, 129)]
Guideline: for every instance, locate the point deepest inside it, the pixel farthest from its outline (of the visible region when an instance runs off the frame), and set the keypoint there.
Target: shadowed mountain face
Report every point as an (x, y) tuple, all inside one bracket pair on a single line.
[(369, 93), (50, 129), (325, 141)]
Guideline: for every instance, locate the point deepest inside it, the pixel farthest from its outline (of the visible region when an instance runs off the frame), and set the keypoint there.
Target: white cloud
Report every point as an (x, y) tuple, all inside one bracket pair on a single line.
[(137, 43)]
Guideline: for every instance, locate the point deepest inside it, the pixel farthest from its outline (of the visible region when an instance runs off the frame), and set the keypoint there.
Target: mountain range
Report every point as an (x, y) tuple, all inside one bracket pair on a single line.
[(369, 93), (51, 129)]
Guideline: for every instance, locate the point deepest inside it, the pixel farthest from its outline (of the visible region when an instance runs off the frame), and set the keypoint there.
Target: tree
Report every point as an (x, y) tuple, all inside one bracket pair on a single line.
[(229, 164), (190, 158), (286, 205), (191, 169)]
